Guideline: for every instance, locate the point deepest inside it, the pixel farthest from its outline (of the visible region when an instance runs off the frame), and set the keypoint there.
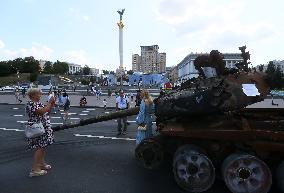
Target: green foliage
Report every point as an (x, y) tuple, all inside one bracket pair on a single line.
[(108, 72), (48, 68), (33, 77), (275, 77), (5, 69), (130, 72), (86, 70), (85, 82), (60, 67)]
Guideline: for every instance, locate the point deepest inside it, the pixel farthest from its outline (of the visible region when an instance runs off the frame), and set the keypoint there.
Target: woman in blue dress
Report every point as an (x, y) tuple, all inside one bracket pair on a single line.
[(144, 118)]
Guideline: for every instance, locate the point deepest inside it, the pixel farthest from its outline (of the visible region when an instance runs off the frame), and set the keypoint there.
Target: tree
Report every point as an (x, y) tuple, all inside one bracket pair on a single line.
[(48, 68), (33, 77), (60, 67), (274, 76), (29, 65), (6, 69), (130, 72), (86, 70)]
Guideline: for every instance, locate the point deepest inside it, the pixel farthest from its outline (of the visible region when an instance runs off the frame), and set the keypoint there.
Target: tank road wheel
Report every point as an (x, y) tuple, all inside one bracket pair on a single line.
[(280, 176), (149, 153), (245, 173), (193, 170)]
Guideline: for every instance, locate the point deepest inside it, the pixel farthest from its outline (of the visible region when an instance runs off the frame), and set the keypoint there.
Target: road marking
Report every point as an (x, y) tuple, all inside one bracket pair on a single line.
[(74, 118), (106, 112), (56, 123), (90, 109), (56, 117), (4, 129), (104, 137), (15, 108), (18, 115), (61, 110), (83, 114), (22, 121), (69, 113), (85, 111), (135, 121)]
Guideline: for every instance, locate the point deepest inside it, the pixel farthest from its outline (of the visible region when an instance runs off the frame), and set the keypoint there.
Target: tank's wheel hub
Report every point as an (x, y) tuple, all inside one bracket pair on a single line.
[(246, 174), (193, 170)]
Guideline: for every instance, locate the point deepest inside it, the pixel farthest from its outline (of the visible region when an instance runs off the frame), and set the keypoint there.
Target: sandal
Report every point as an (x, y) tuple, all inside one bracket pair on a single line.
[(37, 173), (46, 167)]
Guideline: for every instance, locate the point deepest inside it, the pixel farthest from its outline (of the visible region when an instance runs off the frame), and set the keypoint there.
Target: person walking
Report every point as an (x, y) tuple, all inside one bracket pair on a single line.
[(138, 98), (66, 106), (105, 104), (37, 112), (144, 119), (122, 103), (24, 92)]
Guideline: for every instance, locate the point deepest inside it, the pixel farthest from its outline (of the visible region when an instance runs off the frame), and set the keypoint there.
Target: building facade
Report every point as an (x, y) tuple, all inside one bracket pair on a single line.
[(173, 74), (277, 63), (150, 61), (73, 68), (186, 69), (94, 71)]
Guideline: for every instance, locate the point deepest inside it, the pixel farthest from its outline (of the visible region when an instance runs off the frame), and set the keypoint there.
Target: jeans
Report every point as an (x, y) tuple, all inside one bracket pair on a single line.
[(119, 126)]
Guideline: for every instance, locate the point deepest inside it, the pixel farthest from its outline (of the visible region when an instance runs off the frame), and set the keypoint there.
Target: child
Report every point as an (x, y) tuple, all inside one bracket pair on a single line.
[(105, 104)]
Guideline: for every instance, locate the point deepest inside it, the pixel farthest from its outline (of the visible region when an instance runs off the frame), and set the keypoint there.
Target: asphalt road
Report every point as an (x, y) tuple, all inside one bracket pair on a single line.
[(87, 159)]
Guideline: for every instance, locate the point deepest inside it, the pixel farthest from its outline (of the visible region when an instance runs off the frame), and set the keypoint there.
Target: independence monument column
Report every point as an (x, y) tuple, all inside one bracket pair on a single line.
[(120, 70)]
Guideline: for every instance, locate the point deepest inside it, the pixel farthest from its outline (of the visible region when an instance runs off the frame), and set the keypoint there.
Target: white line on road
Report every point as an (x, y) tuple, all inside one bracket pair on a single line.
[(4, 129), (82, 114), (22, 121), (56, 123), (104, 137), (69, 113), (85, 111), (15, 108), (90, 109), (18, 115), (75, 118), (56, 117), (106, 112)]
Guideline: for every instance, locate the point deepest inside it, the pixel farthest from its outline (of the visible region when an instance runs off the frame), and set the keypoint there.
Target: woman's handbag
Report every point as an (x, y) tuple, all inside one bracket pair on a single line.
[(34, 130)]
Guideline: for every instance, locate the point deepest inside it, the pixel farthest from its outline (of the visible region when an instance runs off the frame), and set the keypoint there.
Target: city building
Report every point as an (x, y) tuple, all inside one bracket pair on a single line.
[(94, 71), (73, 68), (150, 61), (173, 74), (136, 60), (186, 69), (277, 63)]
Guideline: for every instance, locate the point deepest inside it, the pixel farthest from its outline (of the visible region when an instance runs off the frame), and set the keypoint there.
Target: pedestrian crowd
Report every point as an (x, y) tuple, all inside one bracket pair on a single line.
[(38, 113)]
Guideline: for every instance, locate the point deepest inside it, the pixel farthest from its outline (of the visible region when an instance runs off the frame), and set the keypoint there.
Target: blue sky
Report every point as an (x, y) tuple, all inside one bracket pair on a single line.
[(85, 32)]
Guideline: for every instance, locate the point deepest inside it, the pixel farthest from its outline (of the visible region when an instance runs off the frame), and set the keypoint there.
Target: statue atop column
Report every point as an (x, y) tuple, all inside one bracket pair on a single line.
[(121, 13)]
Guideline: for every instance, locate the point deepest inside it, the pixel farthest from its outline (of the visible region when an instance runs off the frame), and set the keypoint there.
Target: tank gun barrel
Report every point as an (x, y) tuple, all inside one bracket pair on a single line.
[(99, 118)]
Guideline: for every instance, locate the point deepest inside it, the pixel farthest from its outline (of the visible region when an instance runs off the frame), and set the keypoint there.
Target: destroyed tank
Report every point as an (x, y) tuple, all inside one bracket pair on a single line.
[(207, 131)]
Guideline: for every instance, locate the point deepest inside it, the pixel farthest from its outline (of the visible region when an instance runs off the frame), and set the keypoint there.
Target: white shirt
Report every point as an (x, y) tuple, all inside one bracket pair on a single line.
[(121, 102)]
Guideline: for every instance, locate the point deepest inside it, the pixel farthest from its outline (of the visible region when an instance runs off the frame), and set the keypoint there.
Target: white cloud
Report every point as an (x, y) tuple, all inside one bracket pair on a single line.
[(76, 56), (212, 20), (2, 45), (37, 50)]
